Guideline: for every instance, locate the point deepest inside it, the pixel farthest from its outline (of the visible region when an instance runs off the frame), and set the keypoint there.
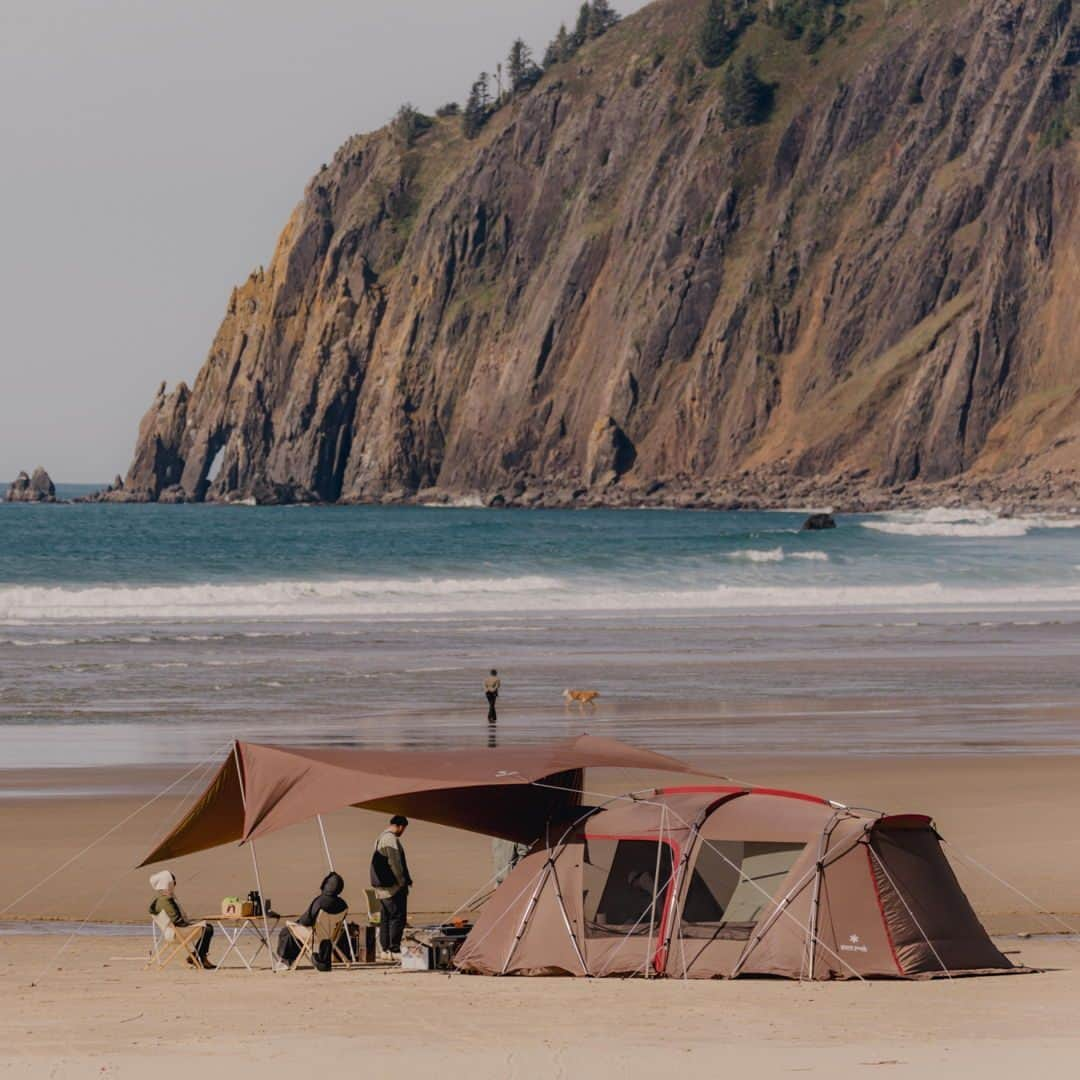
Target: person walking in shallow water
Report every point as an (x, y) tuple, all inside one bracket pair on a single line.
[(491, 691)]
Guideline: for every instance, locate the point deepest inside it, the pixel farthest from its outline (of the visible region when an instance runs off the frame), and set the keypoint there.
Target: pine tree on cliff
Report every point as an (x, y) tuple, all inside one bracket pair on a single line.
[(602, 17), (581, 29), (748, 99), (716, 35), (520, 68), (561, 48), (477, 107)]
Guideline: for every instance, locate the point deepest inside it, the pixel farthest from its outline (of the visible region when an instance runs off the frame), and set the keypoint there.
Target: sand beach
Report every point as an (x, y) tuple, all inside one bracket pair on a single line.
[(86, 1005)]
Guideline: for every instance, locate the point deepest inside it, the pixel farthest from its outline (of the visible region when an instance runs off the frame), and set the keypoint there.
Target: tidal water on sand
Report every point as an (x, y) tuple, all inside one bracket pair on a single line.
[(154, 634)]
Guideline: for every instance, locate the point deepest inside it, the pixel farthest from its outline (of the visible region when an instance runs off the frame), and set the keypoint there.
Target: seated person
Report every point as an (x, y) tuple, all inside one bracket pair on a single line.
[(164, 884), (328, 900)]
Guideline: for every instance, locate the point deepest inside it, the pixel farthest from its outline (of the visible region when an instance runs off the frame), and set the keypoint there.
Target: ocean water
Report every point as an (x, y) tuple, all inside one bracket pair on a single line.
[(134, 634)]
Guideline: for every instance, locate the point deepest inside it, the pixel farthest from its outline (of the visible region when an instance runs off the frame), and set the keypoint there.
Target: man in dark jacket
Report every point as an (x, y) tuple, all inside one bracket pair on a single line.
[(391, 881), (328, 900)]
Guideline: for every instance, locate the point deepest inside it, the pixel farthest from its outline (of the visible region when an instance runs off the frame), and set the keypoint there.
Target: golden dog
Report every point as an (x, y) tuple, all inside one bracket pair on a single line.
[(582, 697)]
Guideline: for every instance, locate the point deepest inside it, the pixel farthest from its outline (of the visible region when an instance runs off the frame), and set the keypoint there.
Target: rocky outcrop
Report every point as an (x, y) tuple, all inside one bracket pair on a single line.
[(818, 522), (611, 297), (36, 488)]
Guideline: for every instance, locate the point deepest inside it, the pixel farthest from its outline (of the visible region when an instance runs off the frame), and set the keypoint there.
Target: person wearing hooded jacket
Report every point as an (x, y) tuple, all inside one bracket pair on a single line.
[(165, 902), (328, 900)]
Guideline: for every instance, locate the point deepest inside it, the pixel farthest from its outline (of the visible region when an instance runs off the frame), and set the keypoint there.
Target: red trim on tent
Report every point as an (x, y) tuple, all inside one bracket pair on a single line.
[(660, 956), (779, 792), (881, 908)]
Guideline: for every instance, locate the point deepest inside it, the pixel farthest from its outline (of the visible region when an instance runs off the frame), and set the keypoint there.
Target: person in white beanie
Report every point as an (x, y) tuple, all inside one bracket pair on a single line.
[(164, 884)]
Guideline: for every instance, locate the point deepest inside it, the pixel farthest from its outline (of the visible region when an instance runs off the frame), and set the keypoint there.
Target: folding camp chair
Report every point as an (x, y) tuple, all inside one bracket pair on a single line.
[(374, 908), (171, 941), (327, 928)]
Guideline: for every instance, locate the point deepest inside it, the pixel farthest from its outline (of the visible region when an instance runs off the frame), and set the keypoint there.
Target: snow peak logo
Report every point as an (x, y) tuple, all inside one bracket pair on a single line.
[(854, 944)]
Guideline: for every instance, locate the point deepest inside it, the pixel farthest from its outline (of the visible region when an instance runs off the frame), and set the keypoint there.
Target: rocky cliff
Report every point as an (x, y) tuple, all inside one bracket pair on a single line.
[(36, 488), (611, 295)]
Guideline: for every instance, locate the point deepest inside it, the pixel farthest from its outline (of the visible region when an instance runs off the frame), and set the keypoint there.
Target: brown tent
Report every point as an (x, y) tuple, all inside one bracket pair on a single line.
[(515, 793), (696, 882), (710, 882)]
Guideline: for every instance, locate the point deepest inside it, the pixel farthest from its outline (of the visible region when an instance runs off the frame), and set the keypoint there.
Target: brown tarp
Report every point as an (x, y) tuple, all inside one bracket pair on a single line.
[(513, 793)]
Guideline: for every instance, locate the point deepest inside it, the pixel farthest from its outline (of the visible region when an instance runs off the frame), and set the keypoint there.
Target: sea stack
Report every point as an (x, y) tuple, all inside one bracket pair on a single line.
[(36, 488)]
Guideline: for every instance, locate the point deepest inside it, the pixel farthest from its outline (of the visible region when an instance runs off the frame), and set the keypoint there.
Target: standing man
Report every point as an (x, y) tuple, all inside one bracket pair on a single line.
[(491, 692), (390, 878)]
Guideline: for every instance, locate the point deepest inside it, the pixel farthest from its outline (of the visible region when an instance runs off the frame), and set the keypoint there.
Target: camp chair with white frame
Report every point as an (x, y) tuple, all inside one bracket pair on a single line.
[(171, 941), (374, 908), (327, 928)]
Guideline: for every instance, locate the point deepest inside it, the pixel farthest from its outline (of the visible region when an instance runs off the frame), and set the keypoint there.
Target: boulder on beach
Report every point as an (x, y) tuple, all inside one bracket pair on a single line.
[(36, 488), (818, 521)]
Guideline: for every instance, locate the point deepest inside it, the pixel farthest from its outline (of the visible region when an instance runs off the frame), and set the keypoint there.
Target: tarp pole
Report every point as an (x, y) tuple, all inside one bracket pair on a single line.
[(326, 846), (330, 868), (255, 862)]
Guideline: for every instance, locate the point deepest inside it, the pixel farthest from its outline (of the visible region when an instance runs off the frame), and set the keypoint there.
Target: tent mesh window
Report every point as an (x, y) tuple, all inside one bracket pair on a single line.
[(619, 881), (730, 885)]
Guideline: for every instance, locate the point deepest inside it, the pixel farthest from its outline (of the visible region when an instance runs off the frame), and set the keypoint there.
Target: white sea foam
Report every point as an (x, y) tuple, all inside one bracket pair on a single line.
[(533, 594), (965, 524), (462, 502), (757, 555), (777, 554)]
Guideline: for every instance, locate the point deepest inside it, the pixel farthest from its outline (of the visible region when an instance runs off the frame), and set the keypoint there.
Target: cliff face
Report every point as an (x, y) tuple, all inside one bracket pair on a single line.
[(609, 290)]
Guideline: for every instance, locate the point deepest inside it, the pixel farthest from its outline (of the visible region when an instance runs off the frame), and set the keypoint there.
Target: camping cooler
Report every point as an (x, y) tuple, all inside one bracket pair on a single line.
[(431, 948)]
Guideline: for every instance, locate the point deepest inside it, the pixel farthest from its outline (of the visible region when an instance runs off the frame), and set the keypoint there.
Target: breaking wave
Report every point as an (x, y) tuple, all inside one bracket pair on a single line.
[(509, 596), (756, 555), (965, 524), (777, 554)]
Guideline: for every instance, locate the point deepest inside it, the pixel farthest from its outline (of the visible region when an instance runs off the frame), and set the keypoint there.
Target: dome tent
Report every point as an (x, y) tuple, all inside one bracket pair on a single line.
[(719, 882)]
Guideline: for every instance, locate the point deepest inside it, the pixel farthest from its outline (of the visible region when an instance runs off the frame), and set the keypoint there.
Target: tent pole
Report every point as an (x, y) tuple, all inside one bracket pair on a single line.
[(781, 908), (528, 913), (255, 861), (655, 887), (326, 846), (815, 902), (566, 921), (678, 876), (330, 869)]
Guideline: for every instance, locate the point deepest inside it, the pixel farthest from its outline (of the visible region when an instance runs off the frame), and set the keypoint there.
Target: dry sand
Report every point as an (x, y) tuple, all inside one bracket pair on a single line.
[(96, 1010)]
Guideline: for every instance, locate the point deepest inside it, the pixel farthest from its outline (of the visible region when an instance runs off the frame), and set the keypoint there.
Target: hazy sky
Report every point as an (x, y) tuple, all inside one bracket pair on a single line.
[(150, 152)]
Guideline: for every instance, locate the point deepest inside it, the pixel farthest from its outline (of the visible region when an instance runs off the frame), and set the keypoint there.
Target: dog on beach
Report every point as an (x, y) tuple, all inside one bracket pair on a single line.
[(582, 697)]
